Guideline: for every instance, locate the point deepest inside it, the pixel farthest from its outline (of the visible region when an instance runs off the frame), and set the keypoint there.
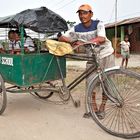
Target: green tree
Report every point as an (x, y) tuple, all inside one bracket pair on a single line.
[(71, 23)]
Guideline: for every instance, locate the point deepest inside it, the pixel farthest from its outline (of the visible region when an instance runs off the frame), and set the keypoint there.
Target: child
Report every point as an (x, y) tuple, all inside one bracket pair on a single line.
[(125, 52), (1, 48)]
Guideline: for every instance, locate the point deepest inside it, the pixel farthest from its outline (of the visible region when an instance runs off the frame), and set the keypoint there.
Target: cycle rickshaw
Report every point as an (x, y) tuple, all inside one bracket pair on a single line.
[(33, 72)]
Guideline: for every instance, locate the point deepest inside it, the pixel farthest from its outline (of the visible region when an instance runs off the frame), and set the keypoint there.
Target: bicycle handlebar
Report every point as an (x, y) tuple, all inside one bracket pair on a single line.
[(84, 42)]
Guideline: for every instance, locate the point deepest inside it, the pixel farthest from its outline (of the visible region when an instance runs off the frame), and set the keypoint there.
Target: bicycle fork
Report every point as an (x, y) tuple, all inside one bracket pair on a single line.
[(110, 89)]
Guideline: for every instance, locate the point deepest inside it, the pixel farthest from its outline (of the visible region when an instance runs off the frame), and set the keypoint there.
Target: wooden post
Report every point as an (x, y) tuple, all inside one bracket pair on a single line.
[(122, 33)]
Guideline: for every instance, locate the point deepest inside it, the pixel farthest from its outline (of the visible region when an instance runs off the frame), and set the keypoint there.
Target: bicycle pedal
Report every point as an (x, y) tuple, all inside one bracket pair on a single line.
[(77, 103)]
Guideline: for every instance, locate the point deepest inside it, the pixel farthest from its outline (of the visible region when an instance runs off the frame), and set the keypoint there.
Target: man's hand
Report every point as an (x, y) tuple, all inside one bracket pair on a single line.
[(77, 43), (98, 40)]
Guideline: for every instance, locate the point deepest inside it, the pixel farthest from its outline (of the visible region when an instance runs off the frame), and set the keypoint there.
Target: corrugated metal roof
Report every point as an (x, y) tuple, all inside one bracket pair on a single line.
[(123, 22)]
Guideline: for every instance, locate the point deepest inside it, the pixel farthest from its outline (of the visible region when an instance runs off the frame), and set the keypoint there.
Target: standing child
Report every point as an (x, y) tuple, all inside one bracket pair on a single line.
[(125, 51)]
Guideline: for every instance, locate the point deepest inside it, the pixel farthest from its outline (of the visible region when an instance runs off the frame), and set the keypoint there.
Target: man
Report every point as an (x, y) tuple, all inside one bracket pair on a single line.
[(92, 30)]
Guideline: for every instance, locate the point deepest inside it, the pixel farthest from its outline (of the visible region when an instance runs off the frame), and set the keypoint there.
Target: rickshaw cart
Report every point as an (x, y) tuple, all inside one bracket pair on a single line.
[(25, 71), (33, 73)]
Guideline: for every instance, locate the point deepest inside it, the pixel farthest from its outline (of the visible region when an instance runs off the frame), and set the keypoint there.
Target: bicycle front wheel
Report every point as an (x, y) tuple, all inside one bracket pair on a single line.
[(122, 121)]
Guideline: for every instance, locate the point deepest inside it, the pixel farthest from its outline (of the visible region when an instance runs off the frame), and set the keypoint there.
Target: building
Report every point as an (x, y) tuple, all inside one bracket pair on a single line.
[(129, 27)]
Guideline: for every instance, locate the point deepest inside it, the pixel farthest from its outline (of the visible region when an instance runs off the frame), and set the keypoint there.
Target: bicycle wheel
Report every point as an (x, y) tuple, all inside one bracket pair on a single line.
[(3, 96), (122, 121)]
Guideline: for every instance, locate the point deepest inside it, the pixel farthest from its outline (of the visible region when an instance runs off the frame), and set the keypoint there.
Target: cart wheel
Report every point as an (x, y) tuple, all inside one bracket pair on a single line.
[(44, 94), (3, 96)]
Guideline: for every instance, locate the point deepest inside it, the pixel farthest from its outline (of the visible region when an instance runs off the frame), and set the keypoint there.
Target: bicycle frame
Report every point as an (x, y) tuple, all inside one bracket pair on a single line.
[(84, 74), (95, 67)]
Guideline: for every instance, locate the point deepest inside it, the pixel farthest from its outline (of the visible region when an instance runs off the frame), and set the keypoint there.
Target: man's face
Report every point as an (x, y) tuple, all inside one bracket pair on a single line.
[(85, 16)]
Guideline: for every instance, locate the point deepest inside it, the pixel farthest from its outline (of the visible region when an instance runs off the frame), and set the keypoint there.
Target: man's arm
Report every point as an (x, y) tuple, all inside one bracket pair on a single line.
[(64, 39), (101, 34), (67, 36), (98, 40)]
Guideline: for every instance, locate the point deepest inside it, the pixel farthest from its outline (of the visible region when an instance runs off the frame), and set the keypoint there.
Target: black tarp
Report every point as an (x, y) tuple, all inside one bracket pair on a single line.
[(41, 20)]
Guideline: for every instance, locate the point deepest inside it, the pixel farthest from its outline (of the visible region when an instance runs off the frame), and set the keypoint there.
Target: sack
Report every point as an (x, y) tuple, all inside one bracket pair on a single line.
[(58, 48)]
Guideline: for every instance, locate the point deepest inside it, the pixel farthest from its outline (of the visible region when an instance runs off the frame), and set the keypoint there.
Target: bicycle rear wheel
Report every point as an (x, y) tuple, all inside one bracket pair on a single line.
[(121, 121)]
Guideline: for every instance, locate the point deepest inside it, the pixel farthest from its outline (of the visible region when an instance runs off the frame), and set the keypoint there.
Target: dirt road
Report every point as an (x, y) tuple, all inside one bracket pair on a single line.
[(29, 118)]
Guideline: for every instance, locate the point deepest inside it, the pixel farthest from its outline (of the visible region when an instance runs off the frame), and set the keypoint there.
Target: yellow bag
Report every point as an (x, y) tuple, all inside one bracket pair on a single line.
[(58, 48)]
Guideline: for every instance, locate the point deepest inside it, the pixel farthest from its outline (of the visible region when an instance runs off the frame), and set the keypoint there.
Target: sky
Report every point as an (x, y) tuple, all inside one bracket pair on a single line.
[(103, 9)]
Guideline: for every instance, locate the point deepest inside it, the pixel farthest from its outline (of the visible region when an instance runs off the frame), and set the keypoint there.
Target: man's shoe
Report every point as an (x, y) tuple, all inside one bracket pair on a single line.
[(87, 115), (100, 114)]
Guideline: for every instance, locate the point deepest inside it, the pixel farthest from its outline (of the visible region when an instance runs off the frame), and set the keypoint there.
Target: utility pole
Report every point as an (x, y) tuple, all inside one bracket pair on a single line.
[(116, 11)]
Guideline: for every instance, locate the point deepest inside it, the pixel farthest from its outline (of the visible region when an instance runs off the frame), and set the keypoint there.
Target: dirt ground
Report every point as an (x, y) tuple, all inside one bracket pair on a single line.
[(30, 118)]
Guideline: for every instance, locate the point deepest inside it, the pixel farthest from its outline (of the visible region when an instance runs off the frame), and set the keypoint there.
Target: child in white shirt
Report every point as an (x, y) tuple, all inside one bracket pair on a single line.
[(125, 51)]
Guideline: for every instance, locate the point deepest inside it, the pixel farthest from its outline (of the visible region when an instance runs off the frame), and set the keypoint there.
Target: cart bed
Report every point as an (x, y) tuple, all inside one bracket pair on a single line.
[(27, 69)]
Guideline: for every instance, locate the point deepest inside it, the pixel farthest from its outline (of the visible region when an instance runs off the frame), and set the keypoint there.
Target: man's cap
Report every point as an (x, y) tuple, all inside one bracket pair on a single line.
[(85, 7)]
